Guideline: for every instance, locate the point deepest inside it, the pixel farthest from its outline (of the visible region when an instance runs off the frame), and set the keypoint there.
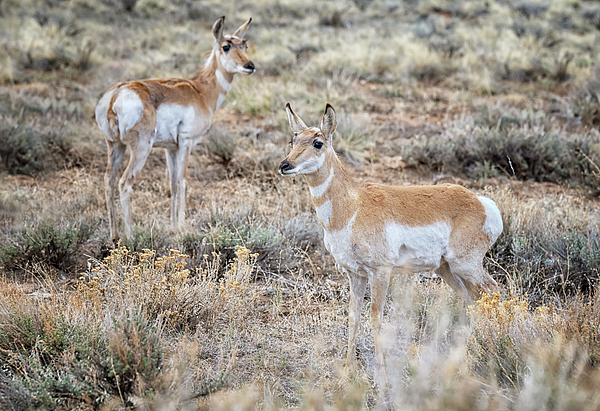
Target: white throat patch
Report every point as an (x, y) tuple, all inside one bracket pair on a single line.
[(324, 212), (319, 190), (220, 100), (225, 85)]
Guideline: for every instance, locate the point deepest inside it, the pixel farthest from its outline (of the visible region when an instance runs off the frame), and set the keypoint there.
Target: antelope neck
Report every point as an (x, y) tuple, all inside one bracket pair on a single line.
[(213, 69), (332, 190), (212, 73)]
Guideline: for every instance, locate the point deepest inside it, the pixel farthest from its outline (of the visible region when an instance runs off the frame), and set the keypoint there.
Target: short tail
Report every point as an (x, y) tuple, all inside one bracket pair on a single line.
[(493, 219)]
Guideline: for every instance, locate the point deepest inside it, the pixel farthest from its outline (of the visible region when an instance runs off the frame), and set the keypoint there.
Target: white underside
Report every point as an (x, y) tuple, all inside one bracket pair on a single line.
[(339, 244), (225, 85), (324, 212), (420, 248), (175, 123)]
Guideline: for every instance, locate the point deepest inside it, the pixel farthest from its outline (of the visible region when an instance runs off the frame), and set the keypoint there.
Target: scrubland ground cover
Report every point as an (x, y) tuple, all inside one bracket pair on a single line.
[(244, 308)]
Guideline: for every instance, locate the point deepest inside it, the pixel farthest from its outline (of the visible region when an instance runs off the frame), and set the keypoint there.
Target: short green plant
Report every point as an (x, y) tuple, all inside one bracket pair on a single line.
[(544, 156), (26, 150), (222, 236), (586, 102), (135, 353), (48, 244)]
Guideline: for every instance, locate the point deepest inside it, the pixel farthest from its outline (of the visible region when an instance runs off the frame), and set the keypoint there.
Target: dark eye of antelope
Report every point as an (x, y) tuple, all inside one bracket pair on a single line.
[(291, 143), (317, 144), (226, 48)]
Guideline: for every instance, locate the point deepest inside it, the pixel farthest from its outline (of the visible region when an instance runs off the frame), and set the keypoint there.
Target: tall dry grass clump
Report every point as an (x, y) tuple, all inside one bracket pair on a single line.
[(116, 337)]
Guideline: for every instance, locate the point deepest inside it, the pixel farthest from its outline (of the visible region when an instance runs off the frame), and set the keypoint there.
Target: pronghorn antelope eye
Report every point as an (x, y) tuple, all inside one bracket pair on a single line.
[(291, 143), (226, 47), (318, 145)]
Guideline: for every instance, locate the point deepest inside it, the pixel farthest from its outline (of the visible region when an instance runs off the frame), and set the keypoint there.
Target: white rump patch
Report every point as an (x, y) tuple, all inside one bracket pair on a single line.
[(420, 248), (319, 190), (174, 121), (324, 212), (128, 107), (493, 219)]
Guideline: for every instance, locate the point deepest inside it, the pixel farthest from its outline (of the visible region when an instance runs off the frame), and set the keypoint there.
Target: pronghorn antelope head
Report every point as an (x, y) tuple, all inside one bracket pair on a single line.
[(310, 145), (230, 50)]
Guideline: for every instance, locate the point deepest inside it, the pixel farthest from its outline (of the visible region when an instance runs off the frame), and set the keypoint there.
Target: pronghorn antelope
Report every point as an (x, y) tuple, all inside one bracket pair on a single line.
[(374, 230), (172, 114)]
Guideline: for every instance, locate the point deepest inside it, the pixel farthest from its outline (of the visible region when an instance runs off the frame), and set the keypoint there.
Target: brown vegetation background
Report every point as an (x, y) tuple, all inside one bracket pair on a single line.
[(245, 307)]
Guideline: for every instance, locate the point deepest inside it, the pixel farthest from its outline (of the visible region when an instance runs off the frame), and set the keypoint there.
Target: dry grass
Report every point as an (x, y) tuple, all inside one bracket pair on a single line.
[(498, 96)]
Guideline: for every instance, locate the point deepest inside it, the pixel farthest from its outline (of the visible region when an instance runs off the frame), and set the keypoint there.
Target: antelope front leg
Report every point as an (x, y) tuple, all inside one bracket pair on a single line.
[(358, 286), (379, 287)]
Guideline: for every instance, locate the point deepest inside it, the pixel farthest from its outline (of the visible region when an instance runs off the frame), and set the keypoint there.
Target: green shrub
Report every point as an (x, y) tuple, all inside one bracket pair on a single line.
[(543, 264), (277, 244), (222, 237), (57, 363), (47, 244), (135, 354), (26, 150), (144, 237), (48, 360), (586, 102), (519, 153), (221, 145)]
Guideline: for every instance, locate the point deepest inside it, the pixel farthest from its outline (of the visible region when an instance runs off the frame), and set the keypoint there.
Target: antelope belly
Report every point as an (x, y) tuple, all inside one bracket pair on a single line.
[(419, 248), (174, 122)]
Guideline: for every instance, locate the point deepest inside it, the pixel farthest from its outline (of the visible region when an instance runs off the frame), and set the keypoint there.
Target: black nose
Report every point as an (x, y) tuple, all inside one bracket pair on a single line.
[(284, 166), (249, 65)]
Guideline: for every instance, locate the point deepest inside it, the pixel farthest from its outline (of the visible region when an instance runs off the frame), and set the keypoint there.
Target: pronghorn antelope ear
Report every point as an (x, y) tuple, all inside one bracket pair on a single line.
[(296, 123), (218, 29), (241, 31), (328, 122)]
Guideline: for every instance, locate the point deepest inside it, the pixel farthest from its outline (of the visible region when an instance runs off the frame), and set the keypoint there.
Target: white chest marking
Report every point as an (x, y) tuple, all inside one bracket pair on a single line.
[(174, 120), (225, 85), (220, 100), (319, 190), (420, 248), (339, 244), (128, 107), (324, 212)]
